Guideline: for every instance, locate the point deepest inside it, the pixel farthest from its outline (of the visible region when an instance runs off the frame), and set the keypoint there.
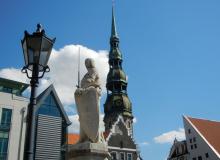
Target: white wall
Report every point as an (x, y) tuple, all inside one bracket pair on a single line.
[(202, 146), (17, 104)]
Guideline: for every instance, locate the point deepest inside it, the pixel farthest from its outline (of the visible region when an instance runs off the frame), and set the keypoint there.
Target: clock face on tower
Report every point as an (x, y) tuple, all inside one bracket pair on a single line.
[(118, 102)]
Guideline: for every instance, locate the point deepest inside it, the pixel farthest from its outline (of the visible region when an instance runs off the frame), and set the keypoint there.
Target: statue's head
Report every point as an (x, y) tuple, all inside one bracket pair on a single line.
[(90, 63)]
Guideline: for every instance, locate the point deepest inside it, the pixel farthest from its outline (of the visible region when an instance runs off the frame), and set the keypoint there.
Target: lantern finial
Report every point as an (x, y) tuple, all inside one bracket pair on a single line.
[(39, 28)]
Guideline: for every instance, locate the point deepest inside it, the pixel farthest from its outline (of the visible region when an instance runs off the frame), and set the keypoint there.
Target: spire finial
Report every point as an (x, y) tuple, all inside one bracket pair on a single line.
[(113, 3), (114, 31)]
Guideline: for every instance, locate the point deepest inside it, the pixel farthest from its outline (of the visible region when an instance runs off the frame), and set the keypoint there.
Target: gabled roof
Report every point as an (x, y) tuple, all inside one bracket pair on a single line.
[(45, 94), (209, 131), (178, 144), (108, 134), (73, 138), (119, 136)]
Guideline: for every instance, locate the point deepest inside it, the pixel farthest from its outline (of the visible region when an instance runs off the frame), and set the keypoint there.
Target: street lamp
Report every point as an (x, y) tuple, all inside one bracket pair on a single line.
[(36, 49)]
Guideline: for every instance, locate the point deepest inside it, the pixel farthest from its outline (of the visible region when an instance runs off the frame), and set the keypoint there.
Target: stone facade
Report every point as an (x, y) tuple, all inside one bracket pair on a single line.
[(13, 110)]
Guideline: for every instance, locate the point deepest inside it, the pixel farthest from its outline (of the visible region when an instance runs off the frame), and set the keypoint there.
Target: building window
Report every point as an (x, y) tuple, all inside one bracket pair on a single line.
[(207, 155), (194, 139), (6, 116), (194, 158), (122, 156), (114, 155), (190, 140), (200, 158), (195, 145), (189, 131), (49, 107), (191, 147), (129, 156), (5, 120), (3, 145)]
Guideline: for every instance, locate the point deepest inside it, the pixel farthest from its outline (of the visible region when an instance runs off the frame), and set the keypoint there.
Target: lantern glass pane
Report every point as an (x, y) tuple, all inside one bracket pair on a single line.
[(34, 46), (43, 58), (34, 43), (30, 56), (46, 47), (24, 46)]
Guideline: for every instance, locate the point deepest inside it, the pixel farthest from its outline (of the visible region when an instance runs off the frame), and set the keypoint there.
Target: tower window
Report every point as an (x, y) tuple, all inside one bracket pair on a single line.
[(129, 156), (122, 156), (129, 124), (115, 44), (114, 155), (200, 158), (121, 144)]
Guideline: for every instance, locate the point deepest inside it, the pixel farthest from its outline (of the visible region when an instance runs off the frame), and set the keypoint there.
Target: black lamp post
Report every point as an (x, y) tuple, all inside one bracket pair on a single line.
[(37, 49)]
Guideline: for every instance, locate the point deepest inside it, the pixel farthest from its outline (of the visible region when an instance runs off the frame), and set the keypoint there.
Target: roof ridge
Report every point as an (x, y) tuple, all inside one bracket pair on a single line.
[(203, 119)]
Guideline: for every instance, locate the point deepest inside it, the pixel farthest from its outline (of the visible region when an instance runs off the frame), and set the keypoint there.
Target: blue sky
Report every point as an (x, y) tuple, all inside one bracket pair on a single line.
[(170, 49)]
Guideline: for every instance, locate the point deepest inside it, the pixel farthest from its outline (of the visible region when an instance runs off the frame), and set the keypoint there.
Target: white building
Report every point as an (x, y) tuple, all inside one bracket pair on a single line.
[(51, 123), (203, 138), (12, 119), (202, 141)]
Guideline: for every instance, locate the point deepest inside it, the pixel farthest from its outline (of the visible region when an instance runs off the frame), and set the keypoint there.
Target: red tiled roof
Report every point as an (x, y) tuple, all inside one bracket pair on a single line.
[(73, 138), (210, 131), (106, 134)]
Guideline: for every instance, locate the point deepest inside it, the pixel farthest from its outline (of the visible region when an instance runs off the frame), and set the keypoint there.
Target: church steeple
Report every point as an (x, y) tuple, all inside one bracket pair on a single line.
[(114, 31), (117, 102)]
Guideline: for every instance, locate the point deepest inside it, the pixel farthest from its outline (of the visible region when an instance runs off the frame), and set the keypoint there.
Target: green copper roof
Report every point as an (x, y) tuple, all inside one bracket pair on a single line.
[(114, 31), (115, 54), (117, 102), (116, 74)]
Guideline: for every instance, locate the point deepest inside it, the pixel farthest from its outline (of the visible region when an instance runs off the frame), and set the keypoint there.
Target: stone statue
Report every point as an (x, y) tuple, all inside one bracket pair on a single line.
[(87, 98)]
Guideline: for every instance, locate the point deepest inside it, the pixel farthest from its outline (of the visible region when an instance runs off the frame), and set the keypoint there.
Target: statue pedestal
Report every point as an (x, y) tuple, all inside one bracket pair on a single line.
[(88, 151)]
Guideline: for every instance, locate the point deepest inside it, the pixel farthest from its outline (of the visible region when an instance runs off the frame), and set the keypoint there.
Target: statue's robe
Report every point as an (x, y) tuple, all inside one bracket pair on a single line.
[(87, 103)]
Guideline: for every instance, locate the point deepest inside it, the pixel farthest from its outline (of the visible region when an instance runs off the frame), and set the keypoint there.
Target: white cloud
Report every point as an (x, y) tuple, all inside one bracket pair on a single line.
[(169, 137), (74, 127), (135, 120), (64, 70), (14, 74)]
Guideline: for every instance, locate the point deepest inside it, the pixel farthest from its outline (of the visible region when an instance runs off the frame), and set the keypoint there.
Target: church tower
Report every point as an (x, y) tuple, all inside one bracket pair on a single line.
[(117, 102)]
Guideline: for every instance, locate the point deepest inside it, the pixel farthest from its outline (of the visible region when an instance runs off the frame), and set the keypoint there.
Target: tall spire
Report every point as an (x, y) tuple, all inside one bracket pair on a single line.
[(117, 102), (114, 31)]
